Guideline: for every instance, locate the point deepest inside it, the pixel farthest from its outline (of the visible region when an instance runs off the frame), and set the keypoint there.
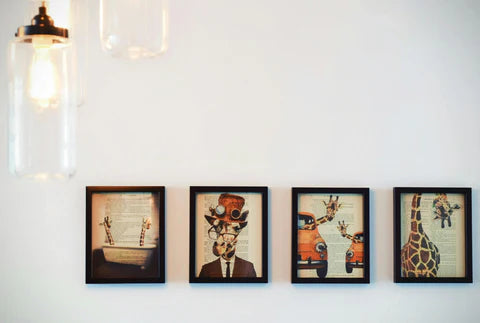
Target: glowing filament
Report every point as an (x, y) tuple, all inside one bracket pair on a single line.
[(43, 79)]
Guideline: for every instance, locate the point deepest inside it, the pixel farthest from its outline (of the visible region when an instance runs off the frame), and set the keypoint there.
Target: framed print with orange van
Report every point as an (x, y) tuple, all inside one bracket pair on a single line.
[(433, 235), (125, 234), (330, 235), (228, 234)]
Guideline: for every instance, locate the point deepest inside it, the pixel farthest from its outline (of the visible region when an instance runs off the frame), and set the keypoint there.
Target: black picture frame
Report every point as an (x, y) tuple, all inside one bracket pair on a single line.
[(99, 270), (236, 190), (296, 257), (397, 261)]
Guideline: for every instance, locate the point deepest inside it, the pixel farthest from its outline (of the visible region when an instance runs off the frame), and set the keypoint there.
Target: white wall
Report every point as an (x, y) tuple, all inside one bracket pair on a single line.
[(273, 92)]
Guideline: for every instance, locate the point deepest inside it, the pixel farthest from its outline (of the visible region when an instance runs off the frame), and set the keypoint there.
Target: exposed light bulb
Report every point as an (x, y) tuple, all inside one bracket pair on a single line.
[(43, 84)]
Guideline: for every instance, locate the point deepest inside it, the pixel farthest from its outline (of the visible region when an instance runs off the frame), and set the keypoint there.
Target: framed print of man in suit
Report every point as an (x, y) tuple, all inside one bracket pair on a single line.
[(228, 234), (227, 221)]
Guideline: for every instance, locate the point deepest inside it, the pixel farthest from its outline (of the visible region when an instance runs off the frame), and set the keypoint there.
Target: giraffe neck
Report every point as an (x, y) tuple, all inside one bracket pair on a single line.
[(142, 236), (348, 236), (109, 234), (416, 216)]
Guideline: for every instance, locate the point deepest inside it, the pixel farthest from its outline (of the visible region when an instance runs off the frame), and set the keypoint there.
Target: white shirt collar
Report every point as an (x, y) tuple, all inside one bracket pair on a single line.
[(223, 264)]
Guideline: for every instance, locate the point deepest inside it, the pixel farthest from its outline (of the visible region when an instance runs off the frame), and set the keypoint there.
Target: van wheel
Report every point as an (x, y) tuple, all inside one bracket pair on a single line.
[(348, 268), (322, 272)]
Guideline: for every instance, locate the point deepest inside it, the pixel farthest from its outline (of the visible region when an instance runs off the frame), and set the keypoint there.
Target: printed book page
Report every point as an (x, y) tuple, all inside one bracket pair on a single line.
[(449, 240), (249, 245), (351, 211), (127, 212)]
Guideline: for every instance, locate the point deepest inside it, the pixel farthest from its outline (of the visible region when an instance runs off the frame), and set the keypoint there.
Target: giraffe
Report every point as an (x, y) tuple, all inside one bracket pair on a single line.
[(419, 256), (331, 209), (107, 224), (354, 257), (226, 222), (147, 223), (443, 209), (342, 227)]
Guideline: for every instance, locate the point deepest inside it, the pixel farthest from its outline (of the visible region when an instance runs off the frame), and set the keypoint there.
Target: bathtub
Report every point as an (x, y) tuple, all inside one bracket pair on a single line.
[(129, 254)]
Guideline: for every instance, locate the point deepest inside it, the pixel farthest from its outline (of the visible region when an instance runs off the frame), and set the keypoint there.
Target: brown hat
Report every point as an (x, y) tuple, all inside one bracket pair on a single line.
[(231, 203), (229, 209)]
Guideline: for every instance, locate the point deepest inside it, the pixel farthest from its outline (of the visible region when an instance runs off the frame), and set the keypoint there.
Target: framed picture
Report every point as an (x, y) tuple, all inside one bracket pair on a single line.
[(330, 235), (125, 234), (433, 235), (228, 234)]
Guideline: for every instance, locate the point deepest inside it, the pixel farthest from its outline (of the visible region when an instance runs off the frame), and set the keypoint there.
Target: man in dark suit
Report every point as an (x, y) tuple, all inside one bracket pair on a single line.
[(227, 221), (241, 268)]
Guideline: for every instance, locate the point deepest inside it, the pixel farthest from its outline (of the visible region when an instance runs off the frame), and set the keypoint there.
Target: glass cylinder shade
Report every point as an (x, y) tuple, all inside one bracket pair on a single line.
[(42, 111), (134, 28)]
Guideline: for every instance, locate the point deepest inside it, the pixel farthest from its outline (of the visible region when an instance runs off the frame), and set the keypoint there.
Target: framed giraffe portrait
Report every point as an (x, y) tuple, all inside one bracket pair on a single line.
[(228, 234), (433, 235), (330, 235), (125, 240)]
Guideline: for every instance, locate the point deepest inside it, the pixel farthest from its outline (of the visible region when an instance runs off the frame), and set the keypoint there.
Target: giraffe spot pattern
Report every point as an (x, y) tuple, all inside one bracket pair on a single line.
[(425, 256), (419, 257), (413, 226), (411, 252), (424, 244), (430, 264), (414, 259)]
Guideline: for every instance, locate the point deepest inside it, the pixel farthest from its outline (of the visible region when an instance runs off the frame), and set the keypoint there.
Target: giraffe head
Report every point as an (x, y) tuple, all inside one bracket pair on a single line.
[(107, 221), (332, 207), (342, 227), (227, 221), (442, 206), (147, 223), (443, 209)]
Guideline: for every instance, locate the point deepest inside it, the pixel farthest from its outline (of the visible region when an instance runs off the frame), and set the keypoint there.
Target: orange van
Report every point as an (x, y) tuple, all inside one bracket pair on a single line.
[(354, 255), (312, 249)]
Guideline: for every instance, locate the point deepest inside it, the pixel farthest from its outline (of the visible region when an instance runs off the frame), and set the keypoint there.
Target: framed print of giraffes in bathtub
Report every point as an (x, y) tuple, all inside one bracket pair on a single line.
[(125, 238)]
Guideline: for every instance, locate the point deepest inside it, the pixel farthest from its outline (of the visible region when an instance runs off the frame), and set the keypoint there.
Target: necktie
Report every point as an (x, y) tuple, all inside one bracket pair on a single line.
[(228, 270)]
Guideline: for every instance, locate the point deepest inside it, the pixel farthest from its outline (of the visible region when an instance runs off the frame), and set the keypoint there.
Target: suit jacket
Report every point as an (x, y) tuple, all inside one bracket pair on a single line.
[(241, 268)]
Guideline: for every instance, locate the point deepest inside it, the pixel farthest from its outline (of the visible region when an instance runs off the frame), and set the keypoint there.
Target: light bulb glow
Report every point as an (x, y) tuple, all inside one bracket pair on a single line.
[(43, 85)]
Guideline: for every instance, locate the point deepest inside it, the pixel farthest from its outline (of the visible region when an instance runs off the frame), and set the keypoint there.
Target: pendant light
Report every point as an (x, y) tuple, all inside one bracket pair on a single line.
[(42, 110), (134, 29)]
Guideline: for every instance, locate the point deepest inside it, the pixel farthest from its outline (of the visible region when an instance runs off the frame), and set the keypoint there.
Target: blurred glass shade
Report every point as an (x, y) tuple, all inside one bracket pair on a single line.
[(44, 91), (134, 29), (42, 109)]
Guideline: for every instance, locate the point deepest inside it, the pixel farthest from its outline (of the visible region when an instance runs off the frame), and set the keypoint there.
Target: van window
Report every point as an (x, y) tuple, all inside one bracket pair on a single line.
[(304, 220), (359, 237)]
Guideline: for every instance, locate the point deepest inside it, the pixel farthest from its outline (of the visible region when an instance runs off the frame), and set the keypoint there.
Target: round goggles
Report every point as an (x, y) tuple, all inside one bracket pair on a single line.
[(220, 211)]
